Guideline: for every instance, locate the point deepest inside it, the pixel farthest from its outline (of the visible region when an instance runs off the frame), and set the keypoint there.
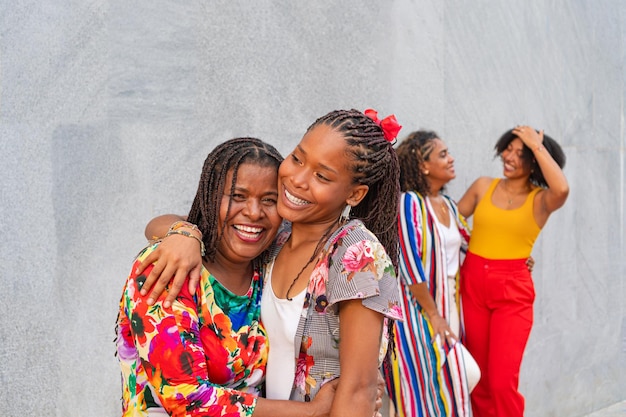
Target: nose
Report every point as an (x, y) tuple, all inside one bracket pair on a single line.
[(253, 209), (299, 178)]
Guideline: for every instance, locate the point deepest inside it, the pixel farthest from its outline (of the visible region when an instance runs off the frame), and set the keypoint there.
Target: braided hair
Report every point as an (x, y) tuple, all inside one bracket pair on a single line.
[(413, 151), (226, 156), (374, 163), (551, 145)]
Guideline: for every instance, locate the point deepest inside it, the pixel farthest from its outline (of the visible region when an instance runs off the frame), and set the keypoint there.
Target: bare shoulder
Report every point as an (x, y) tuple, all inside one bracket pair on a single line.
[(467, 204), (481, 184)]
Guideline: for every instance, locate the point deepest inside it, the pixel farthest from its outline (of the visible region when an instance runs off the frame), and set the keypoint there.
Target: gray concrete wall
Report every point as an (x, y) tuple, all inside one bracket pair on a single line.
[(108, 109)]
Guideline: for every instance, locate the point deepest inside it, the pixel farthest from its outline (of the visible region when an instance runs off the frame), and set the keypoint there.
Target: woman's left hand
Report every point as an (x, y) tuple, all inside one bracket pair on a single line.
[(175, 258), (529, 136)]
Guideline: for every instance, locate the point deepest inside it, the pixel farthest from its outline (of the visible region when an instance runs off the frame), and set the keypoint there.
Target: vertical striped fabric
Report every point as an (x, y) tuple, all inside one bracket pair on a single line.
[(420, 380)]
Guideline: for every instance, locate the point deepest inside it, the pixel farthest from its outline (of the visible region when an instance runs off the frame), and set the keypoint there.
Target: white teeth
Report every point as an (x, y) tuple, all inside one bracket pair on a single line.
[(295, 200), (248, 230)]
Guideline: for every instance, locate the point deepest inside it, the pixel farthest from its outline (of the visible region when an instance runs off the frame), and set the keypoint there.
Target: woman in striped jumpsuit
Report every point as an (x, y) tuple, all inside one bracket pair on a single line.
[(428, 376)]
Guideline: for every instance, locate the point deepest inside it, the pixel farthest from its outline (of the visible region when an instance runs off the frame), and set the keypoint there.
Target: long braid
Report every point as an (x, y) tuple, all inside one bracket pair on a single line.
[(375, 164), (227, 156), (413, 151)]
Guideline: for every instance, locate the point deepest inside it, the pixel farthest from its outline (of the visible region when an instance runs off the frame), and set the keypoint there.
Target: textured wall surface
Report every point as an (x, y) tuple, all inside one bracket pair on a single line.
[(108, 109)]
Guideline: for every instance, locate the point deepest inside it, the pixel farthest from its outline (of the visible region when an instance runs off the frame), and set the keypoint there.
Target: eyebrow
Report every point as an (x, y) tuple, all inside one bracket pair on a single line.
[(323, 166), (239, 188)]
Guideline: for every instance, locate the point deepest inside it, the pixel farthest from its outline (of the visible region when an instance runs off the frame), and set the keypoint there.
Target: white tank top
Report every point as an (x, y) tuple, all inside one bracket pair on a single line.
[(280, 318), (452, 244), (451, 238)]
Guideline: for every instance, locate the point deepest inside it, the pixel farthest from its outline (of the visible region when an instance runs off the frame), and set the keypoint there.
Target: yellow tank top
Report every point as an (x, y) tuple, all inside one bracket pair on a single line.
[(503, 234)]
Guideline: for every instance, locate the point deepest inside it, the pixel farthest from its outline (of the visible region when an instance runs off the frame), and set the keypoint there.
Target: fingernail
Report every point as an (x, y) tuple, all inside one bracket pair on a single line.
[(167, 304), (150, 301), (143, 292)]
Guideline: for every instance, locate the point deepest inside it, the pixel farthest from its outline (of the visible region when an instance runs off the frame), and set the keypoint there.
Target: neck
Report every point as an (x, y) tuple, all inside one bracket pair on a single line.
[(433, 192), (302, 234), (517, 185)]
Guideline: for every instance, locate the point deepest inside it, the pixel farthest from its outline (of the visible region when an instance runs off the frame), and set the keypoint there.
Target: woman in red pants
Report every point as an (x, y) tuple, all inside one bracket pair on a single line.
[(496, 287)]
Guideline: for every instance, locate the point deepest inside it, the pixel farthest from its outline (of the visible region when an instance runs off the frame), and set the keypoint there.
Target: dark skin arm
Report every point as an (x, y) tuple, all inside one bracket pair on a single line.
[(360, 334), (552, 198), (439, 324)]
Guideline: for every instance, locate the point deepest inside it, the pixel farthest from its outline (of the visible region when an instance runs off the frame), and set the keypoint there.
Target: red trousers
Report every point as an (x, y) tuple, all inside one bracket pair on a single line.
[(497, 298)]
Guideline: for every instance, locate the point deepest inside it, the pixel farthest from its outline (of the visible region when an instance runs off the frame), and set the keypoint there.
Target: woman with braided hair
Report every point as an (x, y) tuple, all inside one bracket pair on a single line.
[(330, 284), (205, 354), (429, 376)]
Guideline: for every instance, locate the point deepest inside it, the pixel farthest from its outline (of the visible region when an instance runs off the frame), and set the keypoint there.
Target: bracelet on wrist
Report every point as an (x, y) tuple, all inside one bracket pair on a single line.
[(180, 224), (188, 234), (538, 148)]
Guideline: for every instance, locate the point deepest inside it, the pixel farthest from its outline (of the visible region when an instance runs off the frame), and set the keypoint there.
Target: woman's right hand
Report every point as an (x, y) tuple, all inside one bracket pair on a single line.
[(442, 329), (323, 400), (176, 257), (530, 263)]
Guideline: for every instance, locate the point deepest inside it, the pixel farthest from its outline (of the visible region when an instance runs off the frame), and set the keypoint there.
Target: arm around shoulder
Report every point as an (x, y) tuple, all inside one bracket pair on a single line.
[(158, 226)]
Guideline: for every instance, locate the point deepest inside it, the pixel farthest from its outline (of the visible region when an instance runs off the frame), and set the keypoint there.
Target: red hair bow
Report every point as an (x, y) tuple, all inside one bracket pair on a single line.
[(389, 124)]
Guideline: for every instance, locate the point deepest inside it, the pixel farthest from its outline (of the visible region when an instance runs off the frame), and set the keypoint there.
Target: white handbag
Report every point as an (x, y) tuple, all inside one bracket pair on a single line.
[(472, 371), (459, 353)]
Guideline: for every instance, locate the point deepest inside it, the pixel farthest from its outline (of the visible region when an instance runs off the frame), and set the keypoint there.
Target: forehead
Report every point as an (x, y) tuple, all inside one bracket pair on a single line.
[(438, 145), (324, 143), (516, 143), (254, 176)]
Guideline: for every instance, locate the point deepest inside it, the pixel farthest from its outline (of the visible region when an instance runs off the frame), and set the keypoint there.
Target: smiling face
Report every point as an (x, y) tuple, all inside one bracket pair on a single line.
[(513, 161), (440, 165), (315, 182), (253, 219)]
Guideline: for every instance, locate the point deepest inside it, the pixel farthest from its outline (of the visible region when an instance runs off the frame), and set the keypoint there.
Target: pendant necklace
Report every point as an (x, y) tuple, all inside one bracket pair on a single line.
[(508, 194), (444, 208), (318, 247)]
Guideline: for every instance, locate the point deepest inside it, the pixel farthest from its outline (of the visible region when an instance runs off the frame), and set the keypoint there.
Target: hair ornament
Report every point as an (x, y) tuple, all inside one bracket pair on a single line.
[(389, 124)]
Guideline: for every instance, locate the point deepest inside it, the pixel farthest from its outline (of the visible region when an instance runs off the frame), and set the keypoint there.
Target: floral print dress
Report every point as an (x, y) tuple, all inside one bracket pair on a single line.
[(205, 355), (353, 265)]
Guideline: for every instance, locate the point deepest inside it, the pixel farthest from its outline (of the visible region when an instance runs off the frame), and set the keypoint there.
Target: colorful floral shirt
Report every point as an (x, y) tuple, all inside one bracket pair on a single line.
[(205, 355), (353, 265)]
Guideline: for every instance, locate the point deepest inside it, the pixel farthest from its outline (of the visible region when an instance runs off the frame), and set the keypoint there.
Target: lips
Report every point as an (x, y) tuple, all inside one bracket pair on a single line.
[(248, 232), (508, 167), (295, 200)]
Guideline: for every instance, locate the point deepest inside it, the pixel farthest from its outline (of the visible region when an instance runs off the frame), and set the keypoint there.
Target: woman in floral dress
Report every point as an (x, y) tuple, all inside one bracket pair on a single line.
[(205, 354)]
